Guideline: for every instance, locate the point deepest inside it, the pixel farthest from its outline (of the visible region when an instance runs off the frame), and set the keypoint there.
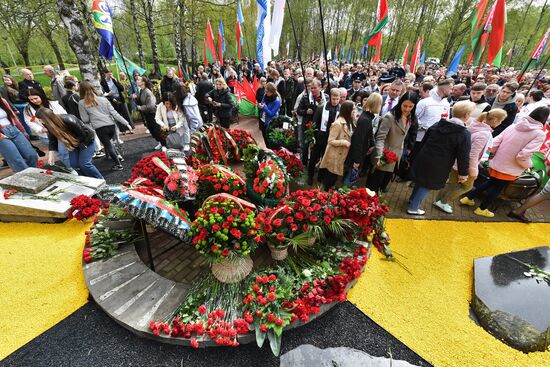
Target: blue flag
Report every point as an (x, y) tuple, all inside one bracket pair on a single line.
[(453, 67), (364, 50), (423, 58), (222, 33), (349, 55), (103, 24), (240, 13), (343, 54), (260, 33)]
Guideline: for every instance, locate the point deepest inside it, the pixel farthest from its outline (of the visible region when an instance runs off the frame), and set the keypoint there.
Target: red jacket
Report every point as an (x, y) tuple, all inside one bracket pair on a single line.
[(12, 116)]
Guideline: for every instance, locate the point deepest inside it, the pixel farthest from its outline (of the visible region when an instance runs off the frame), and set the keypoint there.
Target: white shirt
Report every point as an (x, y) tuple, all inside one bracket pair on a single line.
[(429, 111), (388, 106), (4, 120)]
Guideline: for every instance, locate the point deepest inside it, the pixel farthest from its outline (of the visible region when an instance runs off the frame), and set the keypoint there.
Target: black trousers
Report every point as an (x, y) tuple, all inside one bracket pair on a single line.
[(123, 111), (492, 187), (378, 180), (153, 127), (105, 134), (329, 179), (321, 139)]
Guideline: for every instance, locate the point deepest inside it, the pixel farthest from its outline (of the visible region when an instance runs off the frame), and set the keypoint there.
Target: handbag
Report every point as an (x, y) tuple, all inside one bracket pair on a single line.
[(174, 141)]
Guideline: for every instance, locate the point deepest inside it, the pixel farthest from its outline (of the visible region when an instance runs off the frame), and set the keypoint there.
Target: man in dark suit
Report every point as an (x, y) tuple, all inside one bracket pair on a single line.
[(114, 92)]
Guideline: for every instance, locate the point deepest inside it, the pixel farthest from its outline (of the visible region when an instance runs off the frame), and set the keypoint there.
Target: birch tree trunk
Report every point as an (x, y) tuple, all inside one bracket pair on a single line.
[(135, 23), (149, 19), (79, 41), (177, 32)]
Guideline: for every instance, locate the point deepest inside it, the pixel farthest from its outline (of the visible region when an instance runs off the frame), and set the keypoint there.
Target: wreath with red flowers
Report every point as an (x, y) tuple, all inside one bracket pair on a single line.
[(213, 179), (84, 207), (146, 168), (225, 226)]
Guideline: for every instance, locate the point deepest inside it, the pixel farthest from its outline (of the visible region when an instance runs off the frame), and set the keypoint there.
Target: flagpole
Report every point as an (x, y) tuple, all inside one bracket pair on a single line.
[(298, 46), (538, 74), (131, 84), (324, 41)]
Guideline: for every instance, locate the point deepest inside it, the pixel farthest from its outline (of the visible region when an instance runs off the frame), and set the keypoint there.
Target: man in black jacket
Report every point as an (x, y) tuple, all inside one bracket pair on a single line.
[(169, 81), (114, 92), (322, 119), (204, 87), (27, 83), (306, 108)]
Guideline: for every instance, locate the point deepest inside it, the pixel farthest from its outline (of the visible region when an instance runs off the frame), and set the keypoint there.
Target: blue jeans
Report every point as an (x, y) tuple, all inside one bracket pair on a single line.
[(417, 197), (82, 159), (21, 117), (351, 177), (17, 150), (62, 151)]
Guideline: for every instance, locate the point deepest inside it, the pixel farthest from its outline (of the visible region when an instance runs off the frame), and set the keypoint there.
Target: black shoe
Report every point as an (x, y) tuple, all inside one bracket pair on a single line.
[(520, 217), (117, 167)]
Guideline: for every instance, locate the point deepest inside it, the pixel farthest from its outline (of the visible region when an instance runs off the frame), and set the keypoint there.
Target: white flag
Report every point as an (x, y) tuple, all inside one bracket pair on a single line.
[(277, 25), (263, 50)]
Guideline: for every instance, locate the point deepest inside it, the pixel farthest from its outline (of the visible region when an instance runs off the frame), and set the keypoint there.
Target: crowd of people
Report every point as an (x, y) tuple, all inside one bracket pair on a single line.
[(378, 121)]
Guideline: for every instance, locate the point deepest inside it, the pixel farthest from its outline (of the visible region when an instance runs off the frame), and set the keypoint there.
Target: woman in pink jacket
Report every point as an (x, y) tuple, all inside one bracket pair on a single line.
[(512, 151), (481, 132)]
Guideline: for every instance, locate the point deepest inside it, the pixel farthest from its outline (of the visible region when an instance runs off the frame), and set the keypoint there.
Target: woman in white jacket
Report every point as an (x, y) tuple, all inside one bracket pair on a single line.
[(171, 118)]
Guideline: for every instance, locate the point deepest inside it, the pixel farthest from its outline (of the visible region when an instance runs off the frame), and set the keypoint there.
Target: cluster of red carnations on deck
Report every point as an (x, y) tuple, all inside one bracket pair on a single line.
[(84, 207)]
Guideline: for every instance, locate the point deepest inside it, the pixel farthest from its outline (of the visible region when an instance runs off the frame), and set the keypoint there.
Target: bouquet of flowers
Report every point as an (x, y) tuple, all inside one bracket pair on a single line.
[(269, 182), (84, 207), (215, 178), (267, 308), (309, 133), (388, 157), (242, 138), (178, 187), (281, 133), (294, 166), (146, 168), (224, 227), (222, 146)]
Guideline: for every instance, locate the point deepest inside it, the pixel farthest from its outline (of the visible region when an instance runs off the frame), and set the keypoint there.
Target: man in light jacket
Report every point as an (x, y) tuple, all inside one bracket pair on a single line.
[(57, 84)]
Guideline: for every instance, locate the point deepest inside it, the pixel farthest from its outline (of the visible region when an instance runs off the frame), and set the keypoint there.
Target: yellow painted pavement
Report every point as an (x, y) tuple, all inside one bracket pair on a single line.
[(429, 310), (41, 279)]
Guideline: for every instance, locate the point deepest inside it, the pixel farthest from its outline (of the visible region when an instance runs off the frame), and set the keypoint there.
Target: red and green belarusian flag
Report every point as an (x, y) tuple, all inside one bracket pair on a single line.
[(405, 58), (535, 55), (476, 29), (496, 35), (415, 57), (374, 38), (209, 51)]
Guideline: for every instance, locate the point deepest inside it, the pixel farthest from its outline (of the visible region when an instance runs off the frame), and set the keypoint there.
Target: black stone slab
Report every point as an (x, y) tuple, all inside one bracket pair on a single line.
[(511, 305)]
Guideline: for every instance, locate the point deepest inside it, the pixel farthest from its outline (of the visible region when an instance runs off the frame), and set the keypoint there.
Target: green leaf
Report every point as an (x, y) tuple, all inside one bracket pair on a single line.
[(260, 337), (274, 342)]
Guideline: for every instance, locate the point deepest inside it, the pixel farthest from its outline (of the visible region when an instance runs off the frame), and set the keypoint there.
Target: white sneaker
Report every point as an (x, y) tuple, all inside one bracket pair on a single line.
[(444, 207), (163, 149), (120, 141), (417, 212), (159, 145)]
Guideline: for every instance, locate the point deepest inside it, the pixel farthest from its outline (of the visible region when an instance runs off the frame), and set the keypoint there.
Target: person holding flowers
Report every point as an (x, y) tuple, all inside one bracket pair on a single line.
[(445, 142), (391, 136), (338, 145)]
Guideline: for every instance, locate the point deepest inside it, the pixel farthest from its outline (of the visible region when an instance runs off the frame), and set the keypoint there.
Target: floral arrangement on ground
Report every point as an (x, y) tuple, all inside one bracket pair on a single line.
[(318, 241)]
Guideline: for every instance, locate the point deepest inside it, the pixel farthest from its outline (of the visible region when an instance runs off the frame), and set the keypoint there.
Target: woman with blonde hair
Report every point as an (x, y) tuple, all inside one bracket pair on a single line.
[(481, 130), (99, 113), (76, 137), (221, 99), (362, 140)]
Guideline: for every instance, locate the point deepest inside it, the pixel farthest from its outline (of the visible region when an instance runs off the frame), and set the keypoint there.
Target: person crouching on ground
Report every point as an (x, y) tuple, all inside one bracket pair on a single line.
[(338, 144), (481, 139), (445, 142), (77, 138), (512, 151)]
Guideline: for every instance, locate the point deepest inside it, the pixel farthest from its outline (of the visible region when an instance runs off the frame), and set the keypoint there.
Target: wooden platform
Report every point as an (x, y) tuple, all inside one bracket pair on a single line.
[(133, 295)]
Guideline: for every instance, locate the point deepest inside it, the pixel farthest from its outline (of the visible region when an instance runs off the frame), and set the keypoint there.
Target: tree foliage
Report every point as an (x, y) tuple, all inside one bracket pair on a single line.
[(168, 31)]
